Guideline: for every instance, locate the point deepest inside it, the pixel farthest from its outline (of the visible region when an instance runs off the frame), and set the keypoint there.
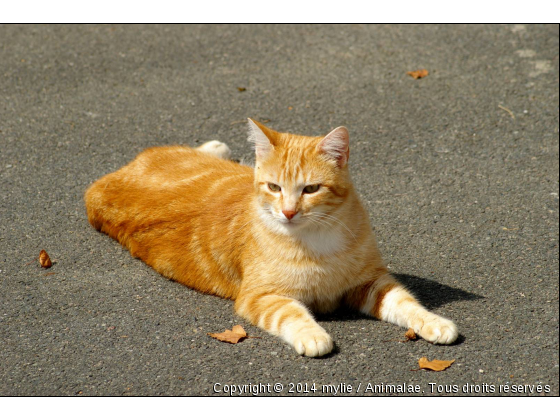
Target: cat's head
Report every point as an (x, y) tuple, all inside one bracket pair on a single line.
[(300, 181)]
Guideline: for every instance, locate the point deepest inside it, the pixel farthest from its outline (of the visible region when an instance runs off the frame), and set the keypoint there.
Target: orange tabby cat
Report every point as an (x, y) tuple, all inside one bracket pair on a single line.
[(283, 239)]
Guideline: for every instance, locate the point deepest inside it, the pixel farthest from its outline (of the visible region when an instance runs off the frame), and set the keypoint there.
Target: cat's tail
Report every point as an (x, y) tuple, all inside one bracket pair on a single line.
[(216, 148)]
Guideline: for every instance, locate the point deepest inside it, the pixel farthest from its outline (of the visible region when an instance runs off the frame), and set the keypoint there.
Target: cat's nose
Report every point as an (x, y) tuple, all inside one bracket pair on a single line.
[(289, 214)]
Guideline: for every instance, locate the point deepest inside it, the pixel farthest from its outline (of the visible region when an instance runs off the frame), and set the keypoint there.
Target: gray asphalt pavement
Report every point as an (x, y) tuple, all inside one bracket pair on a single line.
[(459, 171)]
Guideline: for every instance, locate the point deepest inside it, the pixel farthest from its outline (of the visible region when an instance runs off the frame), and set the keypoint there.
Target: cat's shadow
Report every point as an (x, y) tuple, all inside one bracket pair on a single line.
[(429, 292), (433, 294)]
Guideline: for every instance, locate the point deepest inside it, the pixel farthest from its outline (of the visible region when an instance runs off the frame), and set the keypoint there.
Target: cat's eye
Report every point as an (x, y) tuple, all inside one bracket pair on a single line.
[(273, 187), (310, 189)]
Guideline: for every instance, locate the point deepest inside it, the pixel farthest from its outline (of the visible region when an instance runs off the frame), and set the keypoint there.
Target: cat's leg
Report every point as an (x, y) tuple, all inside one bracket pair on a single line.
[(288, 319), (216, 148), (385, 298)]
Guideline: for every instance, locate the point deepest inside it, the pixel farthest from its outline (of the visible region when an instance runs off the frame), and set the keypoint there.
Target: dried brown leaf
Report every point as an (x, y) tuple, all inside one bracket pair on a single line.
[(410, 335), (435, 365), (238, 329), (232, 336), (44, 259), (418, 74)]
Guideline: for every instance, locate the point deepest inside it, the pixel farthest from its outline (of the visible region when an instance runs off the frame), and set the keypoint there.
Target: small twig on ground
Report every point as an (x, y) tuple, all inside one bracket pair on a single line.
[(508, 111), (244, 121), (32, 261)]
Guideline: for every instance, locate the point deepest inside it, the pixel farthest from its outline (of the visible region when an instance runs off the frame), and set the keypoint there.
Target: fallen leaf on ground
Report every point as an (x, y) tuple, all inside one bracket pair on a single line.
[(232, 336), (241, 89), (436, 365), (44, 259), (410, 335), (418, 74)]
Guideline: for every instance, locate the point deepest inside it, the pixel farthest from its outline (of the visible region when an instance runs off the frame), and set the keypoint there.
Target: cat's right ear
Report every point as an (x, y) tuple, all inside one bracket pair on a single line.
[(257, 136)]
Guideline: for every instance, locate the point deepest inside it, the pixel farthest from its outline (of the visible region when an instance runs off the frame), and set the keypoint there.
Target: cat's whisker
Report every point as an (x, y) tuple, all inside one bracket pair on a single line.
[(321, 222), (325, 217), (315, 222)]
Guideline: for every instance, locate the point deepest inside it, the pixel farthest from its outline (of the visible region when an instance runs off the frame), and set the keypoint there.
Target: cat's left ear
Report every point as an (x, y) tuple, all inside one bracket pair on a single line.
[(336, 145)]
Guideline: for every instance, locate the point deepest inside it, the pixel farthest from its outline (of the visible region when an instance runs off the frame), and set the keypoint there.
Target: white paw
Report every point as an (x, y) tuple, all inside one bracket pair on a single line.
[(216, 148), (437, 329), (313, 342)]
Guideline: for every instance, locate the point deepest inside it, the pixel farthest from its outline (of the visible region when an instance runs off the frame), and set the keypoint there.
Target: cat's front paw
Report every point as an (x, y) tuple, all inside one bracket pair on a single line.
[(437, 330), (313, 342)]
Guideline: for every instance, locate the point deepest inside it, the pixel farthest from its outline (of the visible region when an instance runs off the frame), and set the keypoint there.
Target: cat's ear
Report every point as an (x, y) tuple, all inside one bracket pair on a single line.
[(336, 146), (260, 136)]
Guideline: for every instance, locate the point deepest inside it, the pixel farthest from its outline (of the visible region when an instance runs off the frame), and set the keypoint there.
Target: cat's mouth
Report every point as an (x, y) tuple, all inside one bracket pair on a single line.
[(289, 222)]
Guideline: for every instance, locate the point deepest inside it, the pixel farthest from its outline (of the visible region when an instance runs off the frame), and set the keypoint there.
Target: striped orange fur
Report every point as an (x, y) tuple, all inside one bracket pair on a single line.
[(284, 239)]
